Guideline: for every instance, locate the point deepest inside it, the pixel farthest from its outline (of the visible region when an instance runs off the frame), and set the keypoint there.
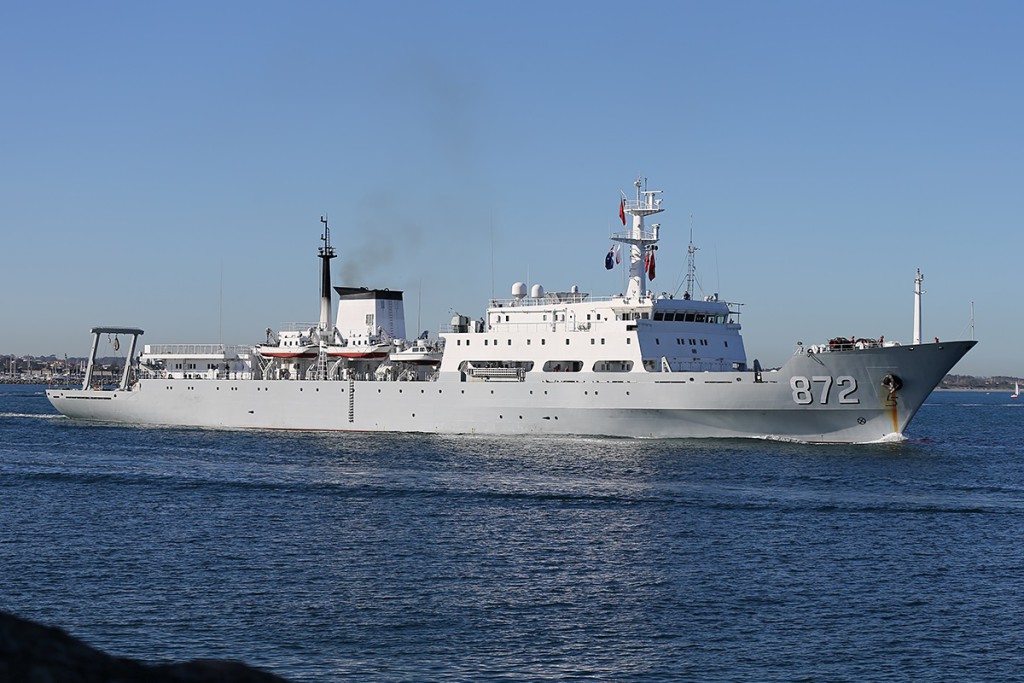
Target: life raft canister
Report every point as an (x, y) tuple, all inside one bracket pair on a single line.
[(892, 382)]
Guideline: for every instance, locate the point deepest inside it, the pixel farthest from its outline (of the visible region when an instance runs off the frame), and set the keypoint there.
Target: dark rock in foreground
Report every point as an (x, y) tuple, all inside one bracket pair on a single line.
[(33, 653)]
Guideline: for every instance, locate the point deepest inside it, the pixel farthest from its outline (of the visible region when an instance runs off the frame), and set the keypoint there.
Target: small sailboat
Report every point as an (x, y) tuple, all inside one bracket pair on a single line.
[(1016, 390)]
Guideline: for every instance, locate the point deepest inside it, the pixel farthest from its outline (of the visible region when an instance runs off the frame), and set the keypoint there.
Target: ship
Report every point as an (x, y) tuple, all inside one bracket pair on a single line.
[(636, 364)]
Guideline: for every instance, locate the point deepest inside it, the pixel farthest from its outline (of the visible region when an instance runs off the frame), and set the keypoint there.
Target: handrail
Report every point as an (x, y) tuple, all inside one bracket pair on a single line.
[(195, 349)]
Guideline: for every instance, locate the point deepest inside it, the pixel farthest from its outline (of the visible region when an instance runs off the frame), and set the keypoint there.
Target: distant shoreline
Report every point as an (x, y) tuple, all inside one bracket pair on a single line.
[(987, 390)]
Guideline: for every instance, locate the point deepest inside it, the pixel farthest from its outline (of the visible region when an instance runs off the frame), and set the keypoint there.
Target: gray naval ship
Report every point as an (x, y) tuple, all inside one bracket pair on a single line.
[(636, 364)]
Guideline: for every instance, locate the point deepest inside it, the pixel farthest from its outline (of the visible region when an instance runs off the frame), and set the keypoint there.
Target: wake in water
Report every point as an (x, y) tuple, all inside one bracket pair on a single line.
[(893, 437), (36, 416)]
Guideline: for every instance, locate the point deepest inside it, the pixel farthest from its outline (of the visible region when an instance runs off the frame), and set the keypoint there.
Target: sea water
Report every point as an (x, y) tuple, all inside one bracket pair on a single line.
[(327, 556)]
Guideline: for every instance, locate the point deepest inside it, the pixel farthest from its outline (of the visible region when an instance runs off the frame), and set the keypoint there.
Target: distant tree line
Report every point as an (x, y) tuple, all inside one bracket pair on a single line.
[(995, 383)]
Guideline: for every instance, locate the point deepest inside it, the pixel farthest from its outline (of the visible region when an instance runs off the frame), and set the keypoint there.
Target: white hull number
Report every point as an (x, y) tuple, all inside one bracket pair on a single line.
[(804, 390)]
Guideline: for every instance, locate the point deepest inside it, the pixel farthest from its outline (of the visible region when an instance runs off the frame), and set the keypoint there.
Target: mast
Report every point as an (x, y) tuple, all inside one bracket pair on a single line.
[(642, 243), (917, 306), (325, 253), (691, 265)]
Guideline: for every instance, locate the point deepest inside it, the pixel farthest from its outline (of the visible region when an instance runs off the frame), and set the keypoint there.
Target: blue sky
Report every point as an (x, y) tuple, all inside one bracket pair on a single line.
[(165, 165)]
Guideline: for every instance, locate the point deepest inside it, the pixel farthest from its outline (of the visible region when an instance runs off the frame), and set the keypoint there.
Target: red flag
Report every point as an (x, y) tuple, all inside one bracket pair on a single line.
[(650, 266), (622, 211)]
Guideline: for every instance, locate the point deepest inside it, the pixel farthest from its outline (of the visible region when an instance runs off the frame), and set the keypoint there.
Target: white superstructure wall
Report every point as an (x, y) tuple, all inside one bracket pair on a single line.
[(370, 313)]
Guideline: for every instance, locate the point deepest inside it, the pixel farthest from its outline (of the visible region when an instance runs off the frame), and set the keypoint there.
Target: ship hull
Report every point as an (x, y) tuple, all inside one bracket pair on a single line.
[(842, 397)]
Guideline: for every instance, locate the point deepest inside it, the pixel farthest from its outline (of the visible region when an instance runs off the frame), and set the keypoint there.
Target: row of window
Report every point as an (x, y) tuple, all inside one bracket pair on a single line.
[(529, 342), (556, 317), (693, 342), (483, 368), (593, 341), (679, 317), (667, 316)]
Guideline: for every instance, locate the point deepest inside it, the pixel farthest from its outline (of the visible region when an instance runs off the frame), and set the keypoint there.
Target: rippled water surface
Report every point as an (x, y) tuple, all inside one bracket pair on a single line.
[(324, 556)]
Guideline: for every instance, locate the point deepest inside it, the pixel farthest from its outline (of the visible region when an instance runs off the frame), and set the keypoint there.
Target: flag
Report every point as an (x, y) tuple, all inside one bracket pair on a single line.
[(650, 266), (622, 211), (609, 259)]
